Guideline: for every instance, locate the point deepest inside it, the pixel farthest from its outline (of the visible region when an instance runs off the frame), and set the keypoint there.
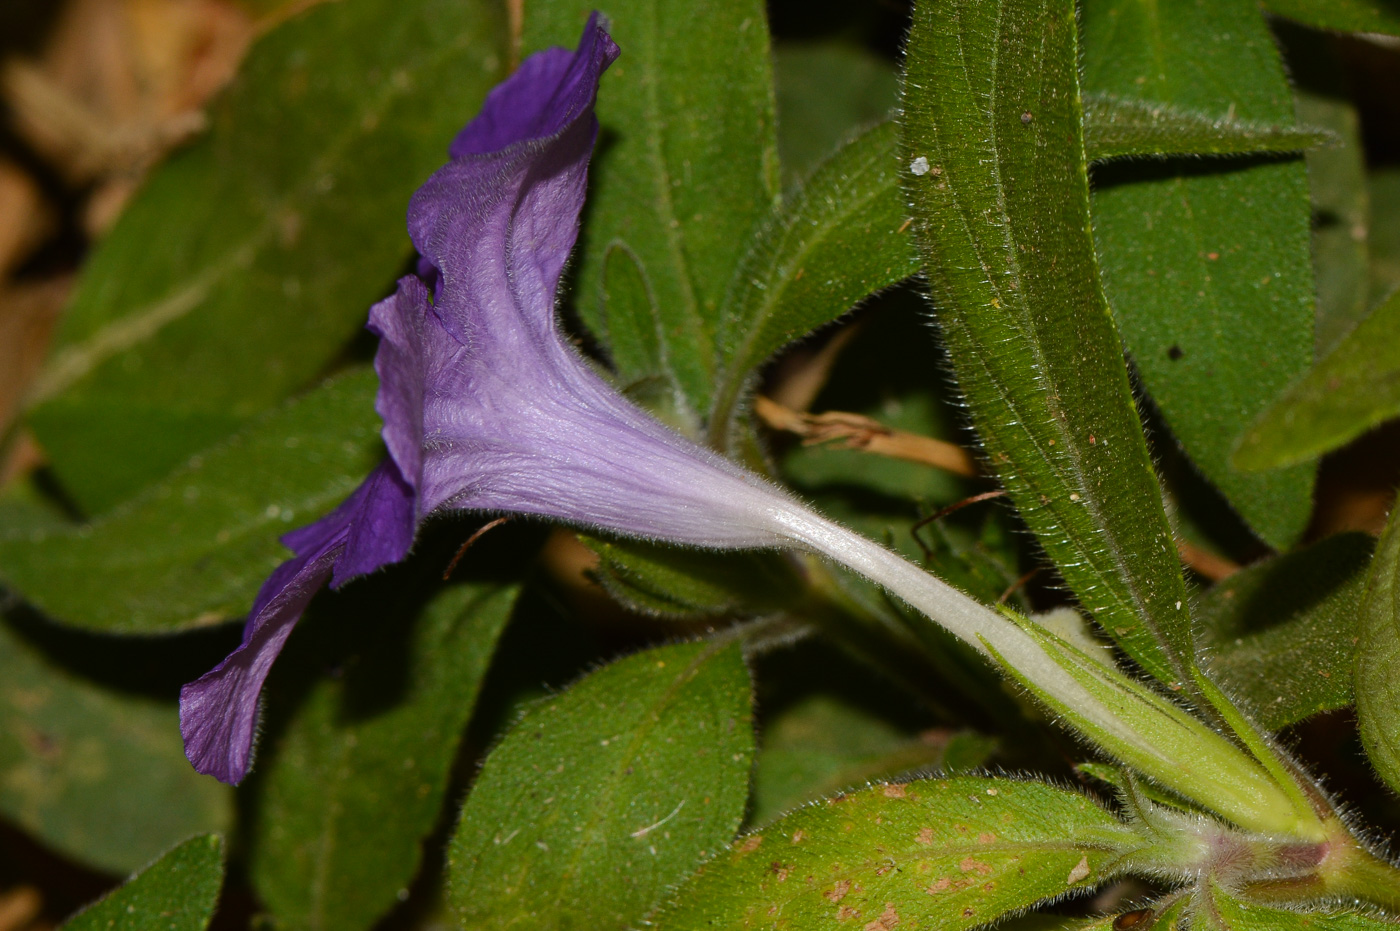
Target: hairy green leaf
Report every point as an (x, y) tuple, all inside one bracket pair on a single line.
[(95, 773), (995, 170), (686, 166), (948, 853), (1207, 265), (1215, 909), (357, 778), (636, 773), (1377, 656), (251, 258), (1280, 636), (178, 892), (841, 238), (826, 90), (194, 548), (1350, 390), (1115, 127), (1342, 15), (1383, 190)]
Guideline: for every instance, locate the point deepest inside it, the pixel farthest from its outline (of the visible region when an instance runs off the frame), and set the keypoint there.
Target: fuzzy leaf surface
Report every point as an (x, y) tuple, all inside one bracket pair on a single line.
[(1117, 127), (686, 167), (178, 892), (637, 773), (378, 735), (826, 91), (840, 238), (1207, 265), (95, 773), (994, 165), (1377, 656), (250, 258), (948, 854), (1341, 15), (1353, 388), (194, 548)]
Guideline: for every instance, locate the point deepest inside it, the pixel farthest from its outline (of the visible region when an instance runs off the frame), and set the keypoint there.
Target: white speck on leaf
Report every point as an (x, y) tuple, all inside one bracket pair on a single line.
[(919, 166)]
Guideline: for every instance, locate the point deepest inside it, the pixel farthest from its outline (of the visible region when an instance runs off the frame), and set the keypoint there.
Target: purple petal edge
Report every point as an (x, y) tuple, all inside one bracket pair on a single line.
[(370, 529)]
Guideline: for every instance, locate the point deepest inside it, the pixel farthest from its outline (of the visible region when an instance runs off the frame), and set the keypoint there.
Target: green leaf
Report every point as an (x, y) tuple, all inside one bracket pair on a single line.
[(250, 259), (635, 774), (1342, 15), (686, 166), (827, 90), (178, 892), (1115, 127), (194, 548), (1208, 266), (1383, 186), (1350, 390), (822, 745), (95, 773), (1280, 635), (356, 780), (671, 581), (1217, 910), (842, 237), (1001, 201), (1377, 653), (637, 346), (948, 853), (1337, 176)]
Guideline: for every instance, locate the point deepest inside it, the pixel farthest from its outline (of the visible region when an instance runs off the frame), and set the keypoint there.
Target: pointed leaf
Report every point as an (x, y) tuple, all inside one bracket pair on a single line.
[(250, 259), (947, 853), (92, 772), (1115, 127), (687, 161), (194, 548), (1281, 635), (841, 237), (1208, 266), (1343, 15), (635, 774), (1353, 388), (1217, 910), (999, 185), (178, 892), (1377, 656), (379, 735)]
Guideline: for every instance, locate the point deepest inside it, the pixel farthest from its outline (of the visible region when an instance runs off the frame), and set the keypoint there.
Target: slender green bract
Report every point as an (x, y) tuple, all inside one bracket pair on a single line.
[(194, 548), (946, 853), (1344, 15), (1118, 127), (1207, 264), (249, 260), (636, 774), (1378, 656), (178, 892), (994, 168)]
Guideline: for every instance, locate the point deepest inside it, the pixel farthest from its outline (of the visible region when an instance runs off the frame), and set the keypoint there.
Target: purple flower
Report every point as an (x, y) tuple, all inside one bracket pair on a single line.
[(485, 405)]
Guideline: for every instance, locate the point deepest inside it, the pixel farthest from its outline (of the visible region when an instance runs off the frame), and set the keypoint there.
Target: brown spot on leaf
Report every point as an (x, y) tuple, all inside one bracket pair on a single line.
[(847, 913), (1080, 871), (895, 791), (940, 886), (925, 837), (986, 837), (750, 844), (888, 919), (798, 835), (838, 892), (970, 864)]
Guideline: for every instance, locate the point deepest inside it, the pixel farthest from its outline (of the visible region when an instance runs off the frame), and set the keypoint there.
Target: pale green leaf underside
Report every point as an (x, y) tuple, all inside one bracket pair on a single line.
[(949, 854)]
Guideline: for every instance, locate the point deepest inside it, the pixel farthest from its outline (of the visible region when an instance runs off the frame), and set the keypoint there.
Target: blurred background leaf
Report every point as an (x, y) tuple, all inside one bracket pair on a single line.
[(1207, 265), (249, 260), (178, 892)]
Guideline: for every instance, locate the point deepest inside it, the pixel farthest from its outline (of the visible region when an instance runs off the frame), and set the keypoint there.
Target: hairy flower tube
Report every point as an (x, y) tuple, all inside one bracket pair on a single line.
[(487, 407)]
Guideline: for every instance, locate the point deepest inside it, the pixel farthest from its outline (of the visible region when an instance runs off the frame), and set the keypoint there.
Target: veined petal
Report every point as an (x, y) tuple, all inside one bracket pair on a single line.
[(219, 711)]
